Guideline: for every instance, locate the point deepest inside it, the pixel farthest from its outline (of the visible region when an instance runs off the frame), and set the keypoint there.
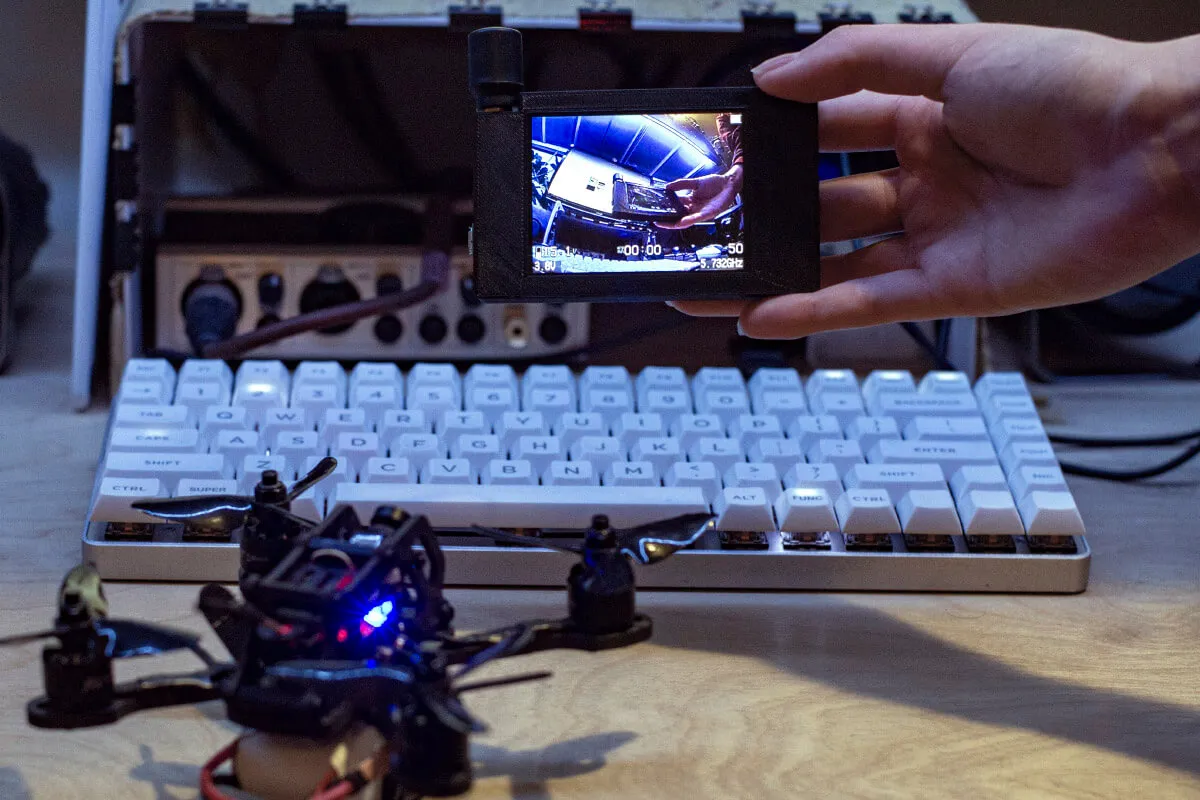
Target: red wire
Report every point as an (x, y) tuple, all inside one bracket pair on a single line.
[(338, 791), (208, 789)]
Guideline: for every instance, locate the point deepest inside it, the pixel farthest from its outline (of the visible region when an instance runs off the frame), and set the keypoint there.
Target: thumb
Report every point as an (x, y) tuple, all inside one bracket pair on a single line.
[(683, 185)]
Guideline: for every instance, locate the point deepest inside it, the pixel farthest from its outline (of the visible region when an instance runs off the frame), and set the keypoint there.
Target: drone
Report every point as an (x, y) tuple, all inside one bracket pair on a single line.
[(341, 628)]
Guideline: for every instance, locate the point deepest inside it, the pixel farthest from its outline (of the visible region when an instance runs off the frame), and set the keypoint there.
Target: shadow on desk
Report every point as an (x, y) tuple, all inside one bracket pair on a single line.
[(862, 651), (13, 786)]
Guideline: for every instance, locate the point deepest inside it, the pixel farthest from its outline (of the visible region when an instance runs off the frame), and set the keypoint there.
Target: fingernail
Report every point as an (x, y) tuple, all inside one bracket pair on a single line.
[(741, 331), (771, 64), (671, 303)]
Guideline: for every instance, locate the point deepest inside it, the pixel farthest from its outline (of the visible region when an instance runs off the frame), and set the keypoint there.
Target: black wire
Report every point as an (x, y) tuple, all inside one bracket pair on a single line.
[(1179, 294), (1149, 441), (918, 336), (236, 132), (943, 339), (1125, 476)]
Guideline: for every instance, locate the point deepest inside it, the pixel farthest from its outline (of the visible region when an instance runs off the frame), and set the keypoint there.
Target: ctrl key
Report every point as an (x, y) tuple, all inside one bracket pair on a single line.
[(115, 499)]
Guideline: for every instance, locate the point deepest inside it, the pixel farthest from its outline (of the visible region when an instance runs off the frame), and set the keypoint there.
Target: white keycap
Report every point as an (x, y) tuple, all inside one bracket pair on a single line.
[(236, 445), (670, 404), (191, 487), (866, 511), (316, 399), (296, 446), (166, 466), (433, 400), (986, 513), (275, 421), (492, 401), (968, 479), (691, 428), (611, 378), (265, 373), (843, 454), (512, 425), (374, 401), (904, 407), (928, 512), (199, 397), (396, 422), (138, 416), (867, 431), (1006, 431), (310, 504), (1051, 514), (786, 406), (743, 509), (1005, 407), (133, 440), (782, 453), (417, 448), (699, 475), (257, 396), (842, 406), (433, 376), (490, 376), (896, 478), (750, 428), (149, 393), (774, 379), (814, 476), (320, 372), (726, 404), (830, 380), (950, 455), (965, 429), (573, 426), (149, 369), (630, 473), (250, 470), (600, 450), (388, 470), (341, 420), (707, 378), (224, 418), (945, 381), (551, 402), (630, 428), (568, 507), (995, 384), (539, 451), (367, 373), (721, 452), (608, 403), (206, 369), (807, 510), (659, 379), (355, 449), (764, 476), (116, 496), (454, 423), (807, 430), (508, 473), (570, 473), (446, 470), (1036, 479), (888, 381), (325, 487), (662, 452), (1027, 454), (548, 376), (477, 448)]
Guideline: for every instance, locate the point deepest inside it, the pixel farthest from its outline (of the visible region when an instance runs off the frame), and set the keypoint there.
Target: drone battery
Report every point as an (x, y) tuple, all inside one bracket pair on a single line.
[(271, 766)]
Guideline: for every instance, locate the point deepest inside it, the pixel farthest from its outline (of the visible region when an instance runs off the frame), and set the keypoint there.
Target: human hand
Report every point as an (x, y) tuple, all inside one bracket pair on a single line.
[(1038, 167), (707, 197)]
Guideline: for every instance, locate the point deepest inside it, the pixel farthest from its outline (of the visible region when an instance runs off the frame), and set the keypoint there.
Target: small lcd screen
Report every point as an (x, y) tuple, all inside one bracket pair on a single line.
[(637, 193)]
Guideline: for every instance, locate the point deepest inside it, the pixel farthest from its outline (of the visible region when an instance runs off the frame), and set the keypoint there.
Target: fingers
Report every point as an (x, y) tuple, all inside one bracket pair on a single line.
[(862, 121), (709, 308), (860, 205), (893, 59), (683, 185)]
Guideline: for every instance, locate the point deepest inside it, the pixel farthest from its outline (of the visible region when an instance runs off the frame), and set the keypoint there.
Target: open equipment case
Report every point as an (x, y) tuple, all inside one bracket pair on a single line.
[(274, 136)]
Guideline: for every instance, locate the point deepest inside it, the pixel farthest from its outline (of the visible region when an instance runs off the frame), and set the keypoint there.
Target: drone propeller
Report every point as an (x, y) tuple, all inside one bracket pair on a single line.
[(646, 544), (228, 511)]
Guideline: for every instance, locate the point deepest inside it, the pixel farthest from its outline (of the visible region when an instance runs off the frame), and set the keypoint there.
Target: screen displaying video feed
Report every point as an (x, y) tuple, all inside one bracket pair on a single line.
[(637, 193)]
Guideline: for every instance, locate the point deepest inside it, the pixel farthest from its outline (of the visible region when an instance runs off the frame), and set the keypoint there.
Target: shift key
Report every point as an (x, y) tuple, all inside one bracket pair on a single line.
[(170, 467)]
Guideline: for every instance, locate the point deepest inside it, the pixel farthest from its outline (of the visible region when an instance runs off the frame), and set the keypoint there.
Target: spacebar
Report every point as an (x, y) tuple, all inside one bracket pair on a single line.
[(450, 506)]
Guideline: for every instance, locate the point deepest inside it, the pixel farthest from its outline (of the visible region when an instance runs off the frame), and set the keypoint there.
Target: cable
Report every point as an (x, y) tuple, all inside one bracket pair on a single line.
[(1149, 441), (1125, 476), (918, 336), (208, 787)]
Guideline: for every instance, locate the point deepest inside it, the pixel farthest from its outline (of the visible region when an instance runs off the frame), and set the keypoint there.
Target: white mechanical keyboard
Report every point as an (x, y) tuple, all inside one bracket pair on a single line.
[(825, 482)]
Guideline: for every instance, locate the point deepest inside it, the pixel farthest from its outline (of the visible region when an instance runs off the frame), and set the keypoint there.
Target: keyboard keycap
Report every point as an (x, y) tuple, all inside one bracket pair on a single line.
[(1051, 514), (774, 379), (316, 399), (928, 513), (669, 404), (749, 428), (433, 400), (397, 422), (744, 508), (512, 425), (190, 487), (693, 474), (455, 423), (888, 381), (539, 450), (320, 373), (551, 402), (455, 471), (368, 373), (388, 470), (167, 466), (867, 431), (719, 378), (604, 378), (1007, 431), (600, 450), (572, 427), (1036, 479), (149, 369), (492, 402), (355, 449), (630, 473), (630, 428), (662, 452), (721, 452), (204, 370), (950, 429), (491, 376), (691, 428), (250, 470), (896, 478), (726, 404), (841, 453), (435, 376), (147, 393), (866, 511), (570, 473), (610, 404), (418, 448), (1027, 454), (133, 440), (508, 473), (786, 406), (274, 421), (236, 445), (996, 384), (782, 453), (830, 380), (199, 397), (569, 507), (116, 496), (968, 479), (763, 476), (905, 407), (814, 476), (373, 401), (985, 513), (477, 448), (138, 416), (945, 382), (949, 455), (842, 406), (807, 431), (807, 510), (296, 446), (338, 421), (1004, 407), (660, 379)]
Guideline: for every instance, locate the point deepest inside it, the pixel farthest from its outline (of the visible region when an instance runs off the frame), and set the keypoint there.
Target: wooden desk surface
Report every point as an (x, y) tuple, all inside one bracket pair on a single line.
[(738, 695)]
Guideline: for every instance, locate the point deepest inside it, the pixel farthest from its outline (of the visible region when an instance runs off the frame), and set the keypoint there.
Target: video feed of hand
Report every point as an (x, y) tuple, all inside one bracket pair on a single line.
[(705, 198)]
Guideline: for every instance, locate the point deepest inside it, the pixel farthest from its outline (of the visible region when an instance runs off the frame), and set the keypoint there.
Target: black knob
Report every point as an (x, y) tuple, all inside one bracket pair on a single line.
[(210, 311), (471, 329), (388, 283), (553, 329), (494, 67), (330, 288), (388, 328), (270, 290), (466, 288), (432, 329)]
